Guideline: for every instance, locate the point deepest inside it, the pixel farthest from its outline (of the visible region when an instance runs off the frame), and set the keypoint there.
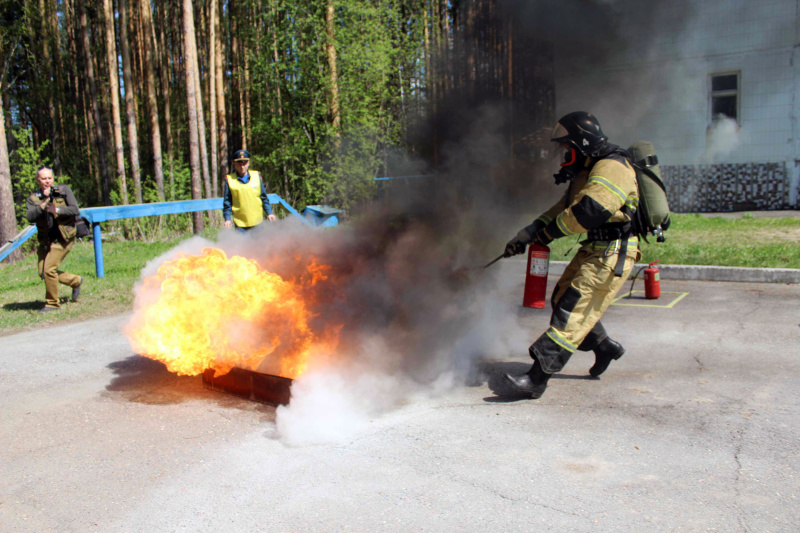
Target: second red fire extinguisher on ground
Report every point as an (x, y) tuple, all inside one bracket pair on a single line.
[(652, 281), (536, 276)]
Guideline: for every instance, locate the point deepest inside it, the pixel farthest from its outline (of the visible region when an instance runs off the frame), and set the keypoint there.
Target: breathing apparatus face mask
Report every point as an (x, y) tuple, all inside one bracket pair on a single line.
[(572, 162)]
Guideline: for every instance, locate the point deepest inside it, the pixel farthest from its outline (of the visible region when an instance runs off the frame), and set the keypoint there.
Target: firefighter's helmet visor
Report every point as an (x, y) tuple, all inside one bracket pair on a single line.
[(562, 152), (559, 132)]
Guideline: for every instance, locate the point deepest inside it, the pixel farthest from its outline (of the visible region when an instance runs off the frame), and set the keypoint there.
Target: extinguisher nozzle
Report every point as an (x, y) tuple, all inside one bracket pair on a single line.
[(495, 260)]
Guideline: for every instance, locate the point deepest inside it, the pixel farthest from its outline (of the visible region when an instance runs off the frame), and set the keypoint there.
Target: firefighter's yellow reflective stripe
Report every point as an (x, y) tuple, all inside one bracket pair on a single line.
[(633, 244), (561, 341), (608, 185), (544, 218), (563, 227), (632, 203)]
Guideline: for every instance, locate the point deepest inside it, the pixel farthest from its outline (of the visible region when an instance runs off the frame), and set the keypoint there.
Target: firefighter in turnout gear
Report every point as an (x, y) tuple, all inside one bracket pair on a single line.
[(244, 194), (54, 210), (600, 201)]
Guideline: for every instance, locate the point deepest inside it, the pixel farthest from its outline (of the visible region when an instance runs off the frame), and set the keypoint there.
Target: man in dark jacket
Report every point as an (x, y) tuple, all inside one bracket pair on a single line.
[(55, 211)]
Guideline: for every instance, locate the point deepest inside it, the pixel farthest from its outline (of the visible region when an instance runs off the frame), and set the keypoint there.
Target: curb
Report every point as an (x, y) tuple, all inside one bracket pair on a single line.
[(711, 273)]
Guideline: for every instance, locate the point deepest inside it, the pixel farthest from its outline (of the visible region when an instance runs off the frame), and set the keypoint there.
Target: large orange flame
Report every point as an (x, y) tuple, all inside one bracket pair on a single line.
[(211, 311)]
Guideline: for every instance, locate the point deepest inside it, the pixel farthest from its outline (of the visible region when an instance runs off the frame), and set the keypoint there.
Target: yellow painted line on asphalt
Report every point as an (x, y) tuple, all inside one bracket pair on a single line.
[(678, 297)]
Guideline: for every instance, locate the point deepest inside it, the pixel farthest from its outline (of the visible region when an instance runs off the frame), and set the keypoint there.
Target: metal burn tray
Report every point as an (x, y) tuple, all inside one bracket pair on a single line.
[(250, 385)]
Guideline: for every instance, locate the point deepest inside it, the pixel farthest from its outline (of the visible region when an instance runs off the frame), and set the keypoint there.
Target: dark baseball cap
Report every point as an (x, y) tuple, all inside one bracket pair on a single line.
[(241, 155)]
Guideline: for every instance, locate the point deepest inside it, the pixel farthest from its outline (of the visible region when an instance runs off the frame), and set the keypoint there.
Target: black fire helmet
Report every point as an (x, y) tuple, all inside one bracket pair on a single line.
[(581, 130)]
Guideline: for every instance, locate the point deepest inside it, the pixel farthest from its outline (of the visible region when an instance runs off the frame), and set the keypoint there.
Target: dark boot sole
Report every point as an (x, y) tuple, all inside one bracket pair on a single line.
[(596, 373), (535, 394)]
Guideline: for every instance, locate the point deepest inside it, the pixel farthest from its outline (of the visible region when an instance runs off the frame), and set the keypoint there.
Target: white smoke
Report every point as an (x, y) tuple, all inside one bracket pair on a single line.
[(337, 404), (723, 137)]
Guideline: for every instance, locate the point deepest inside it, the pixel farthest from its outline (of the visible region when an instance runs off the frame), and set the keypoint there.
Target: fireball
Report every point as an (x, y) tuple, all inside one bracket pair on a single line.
[(211, 311)]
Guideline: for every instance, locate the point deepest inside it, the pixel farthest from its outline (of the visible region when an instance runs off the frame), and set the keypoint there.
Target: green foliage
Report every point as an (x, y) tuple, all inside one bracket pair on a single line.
[(366, 61), (295, 143), (25, 160), (181, 189), (304, 156)]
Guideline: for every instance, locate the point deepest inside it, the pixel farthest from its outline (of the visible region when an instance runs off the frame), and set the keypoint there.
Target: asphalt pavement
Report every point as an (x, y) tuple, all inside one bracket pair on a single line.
[(694, 429)]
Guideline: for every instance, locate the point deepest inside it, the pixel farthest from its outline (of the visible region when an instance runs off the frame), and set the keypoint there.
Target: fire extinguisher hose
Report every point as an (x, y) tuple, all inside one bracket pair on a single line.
[(633, 279)]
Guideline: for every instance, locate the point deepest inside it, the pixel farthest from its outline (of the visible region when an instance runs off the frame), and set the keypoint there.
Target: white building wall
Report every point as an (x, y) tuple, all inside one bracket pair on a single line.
[(656, 84)]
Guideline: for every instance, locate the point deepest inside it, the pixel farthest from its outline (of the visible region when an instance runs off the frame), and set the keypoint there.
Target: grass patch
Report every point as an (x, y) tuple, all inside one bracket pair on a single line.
[(22, 291), (769, 242)]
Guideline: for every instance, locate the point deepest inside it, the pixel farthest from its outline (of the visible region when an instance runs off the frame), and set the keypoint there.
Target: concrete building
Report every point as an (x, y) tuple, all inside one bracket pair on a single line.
[(714, 84)]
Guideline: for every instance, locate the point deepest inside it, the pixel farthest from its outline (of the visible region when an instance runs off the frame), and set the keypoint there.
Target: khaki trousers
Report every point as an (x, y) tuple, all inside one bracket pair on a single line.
[(50, 258), (582, 295)]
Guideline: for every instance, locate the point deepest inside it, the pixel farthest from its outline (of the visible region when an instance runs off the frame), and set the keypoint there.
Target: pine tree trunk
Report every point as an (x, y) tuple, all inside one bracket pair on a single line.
[(8, 222), (93, 97), (82, 124), (246, 51), (6, 99), (72, 75), (432, 81), (130, 109), (246, 123), (91, 137), (58, 72), (201, 132), (212, 93), (201, 123), (113, 81), (147, 39), (166, 76), (278, 93), (336, 118), (222, 119), (190, 66), (237, 132), (50, 85)]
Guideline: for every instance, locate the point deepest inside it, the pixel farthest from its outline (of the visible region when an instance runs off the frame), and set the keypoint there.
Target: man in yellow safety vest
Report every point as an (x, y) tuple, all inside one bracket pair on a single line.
[(245, 203)]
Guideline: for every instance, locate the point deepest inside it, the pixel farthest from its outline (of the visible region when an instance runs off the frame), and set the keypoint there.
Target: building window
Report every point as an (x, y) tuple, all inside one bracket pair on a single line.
[(725, 96)]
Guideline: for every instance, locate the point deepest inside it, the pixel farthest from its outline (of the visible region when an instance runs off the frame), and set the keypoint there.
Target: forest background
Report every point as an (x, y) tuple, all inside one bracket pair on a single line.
[(133, 102)]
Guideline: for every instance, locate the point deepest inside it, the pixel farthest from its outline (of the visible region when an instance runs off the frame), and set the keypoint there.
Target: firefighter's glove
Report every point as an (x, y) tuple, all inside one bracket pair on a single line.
[(515, 246)]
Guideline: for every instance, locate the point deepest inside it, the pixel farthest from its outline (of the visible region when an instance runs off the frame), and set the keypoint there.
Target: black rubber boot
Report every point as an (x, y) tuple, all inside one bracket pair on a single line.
[(533, 382), (604, 353)]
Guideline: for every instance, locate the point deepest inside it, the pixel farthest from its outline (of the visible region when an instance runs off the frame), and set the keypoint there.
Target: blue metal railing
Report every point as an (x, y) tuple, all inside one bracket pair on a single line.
[(13, 244), (96, 215)]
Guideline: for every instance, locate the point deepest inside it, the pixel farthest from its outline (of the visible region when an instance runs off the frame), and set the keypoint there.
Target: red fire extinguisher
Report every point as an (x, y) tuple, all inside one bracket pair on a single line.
[(536, 276), (652, 281)]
